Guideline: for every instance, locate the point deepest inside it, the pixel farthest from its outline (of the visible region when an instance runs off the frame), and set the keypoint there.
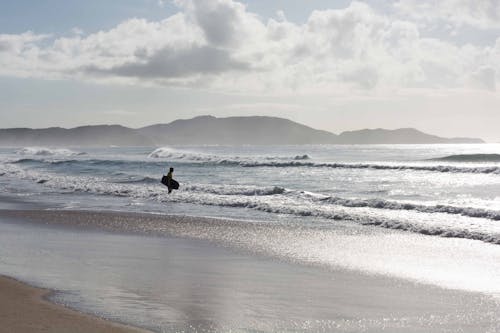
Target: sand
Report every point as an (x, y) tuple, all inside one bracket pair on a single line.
[(194, 283), (24, 309)]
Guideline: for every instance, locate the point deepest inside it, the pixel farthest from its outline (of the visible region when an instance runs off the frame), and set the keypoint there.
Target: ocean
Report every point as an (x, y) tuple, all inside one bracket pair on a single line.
[(440, 190), (422, 213)]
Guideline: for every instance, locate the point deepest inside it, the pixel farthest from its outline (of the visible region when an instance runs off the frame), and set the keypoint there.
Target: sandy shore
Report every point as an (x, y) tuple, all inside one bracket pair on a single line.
[(24, 309), (195, 278)]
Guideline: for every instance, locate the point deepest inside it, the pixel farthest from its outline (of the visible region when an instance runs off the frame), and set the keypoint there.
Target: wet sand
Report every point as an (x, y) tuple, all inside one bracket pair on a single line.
[(24, 309), (192, 285)]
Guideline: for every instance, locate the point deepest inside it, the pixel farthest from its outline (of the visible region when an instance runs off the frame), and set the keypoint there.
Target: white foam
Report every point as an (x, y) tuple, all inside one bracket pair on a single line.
[(379, 166), (44, 151), (442, 220), (191, 156), (276, 200), (302, 161)]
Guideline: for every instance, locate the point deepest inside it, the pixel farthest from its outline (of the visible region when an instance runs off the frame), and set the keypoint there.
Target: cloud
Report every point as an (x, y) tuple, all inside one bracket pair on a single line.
[(481, 14), (221, 21), (220, 45), (171, 63), (17, 42)]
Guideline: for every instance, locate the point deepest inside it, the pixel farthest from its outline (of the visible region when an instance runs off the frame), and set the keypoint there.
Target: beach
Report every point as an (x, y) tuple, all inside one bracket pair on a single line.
[(317, 238), (163, 273), (24, 309), (238, 166)]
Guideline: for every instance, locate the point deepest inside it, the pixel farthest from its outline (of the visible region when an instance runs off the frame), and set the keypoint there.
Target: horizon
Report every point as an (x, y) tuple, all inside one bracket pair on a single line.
[(336, 67), (207, 115)]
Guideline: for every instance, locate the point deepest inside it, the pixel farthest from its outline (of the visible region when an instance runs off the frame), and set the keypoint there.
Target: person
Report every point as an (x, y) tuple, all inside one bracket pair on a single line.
[(170, 176)]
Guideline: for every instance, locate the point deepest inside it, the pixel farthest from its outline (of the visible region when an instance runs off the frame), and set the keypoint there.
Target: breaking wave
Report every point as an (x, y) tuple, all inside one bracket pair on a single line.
[(394, 205), (43, 151), (267, 161), (174, 154), (87, 162), (235, 189), (435, 168), (302, 161), (427, 222), (439, 220)]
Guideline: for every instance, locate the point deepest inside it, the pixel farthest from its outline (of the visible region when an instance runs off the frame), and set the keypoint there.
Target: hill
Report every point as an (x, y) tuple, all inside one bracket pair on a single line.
[(211, 130), (235, 130), (99, 135), (397, 136)]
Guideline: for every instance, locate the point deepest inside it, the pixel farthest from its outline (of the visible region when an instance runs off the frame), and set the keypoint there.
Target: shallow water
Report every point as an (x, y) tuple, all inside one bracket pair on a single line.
[(172, 284)]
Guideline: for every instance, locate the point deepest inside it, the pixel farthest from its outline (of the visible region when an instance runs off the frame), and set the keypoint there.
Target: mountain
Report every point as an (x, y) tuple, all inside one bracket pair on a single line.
[(235, 130), (399, 136), (100, 135), (212, 130)]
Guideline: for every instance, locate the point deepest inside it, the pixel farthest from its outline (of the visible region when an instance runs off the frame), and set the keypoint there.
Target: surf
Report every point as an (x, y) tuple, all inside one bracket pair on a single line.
[(427, 220), (469, 158)]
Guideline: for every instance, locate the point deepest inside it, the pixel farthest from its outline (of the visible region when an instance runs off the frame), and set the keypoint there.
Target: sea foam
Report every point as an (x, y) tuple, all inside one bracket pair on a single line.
[(43, 151)]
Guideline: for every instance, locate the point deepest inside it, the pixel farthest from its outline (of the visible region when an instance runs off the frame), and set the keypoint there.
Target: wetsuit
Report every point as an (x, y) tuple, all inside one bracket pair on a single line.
[(169, 178)]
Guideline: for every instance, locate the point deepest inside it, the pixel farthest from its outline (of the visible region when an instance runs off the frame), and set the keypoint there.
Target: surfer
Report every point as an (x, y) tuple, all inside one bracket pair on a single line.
[(169, 181), (170, 175)]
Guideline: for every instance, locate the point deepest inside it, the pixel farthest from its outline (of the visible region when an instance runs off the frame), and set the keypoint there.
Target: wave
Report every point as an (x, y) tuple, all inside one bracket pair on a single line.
[(469, 158), (394, 205), (43, 151), (435, 168), (466, 229), (428, 220), (302, 157), (174, 154), (270, 161), (140, 180), (87, 162), (301, 161), (234, 189), (44, 161), (169, 153)]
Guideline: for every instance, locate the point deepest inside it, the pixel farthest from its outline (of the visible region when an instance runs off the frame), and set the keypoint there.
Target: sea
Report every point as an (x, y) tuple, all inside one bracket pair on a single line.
[(423, 213)]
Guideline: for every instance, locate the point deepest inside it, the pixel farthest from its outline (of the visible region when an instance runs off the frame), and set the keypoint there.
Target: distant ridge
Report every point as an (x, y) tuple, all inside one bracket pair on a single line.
[(256, 130), (398, 136), (98, 135), (235, 130)]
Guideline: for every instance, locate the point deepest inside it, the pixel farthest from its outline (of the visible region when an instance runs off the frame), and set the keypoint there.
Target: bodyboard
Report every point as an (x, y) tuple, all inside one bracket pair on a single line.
[(173, 183)]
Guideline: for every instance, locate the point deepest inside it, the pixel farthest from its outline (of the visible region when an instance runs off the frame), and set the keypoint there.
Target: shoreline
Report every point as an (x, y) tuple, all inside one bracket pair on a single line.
[(25, 308), (222, 274)]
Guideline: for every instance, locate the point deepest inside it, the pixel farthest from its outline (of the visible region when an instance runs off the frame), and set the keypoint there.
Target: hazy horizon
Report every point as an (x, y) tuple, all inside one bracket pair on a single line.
[(155, 124), (335, 66)]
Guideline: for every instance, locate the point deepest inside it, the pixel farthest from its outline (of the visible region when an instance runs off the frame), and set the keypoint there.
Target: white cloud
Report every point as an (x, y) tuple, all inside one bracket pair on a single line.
[(17, 43), (482, 14), (220, 45)]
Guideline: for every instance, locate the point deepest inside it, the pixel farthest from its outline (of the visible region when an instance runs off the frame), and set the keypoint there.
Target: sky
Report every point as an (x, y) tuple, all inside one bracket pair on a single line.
[(333, 65)]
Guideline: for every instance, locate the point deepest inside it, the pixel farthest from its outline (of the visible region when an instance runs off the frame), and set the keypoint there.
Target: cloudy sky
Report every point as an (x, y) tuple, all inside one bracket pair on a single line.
[(334, 65)]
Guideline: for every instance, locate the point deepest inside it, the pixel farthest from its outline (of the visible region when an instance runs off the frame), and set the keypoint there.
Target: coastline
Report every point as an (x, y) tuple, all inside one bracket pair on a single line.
[(343, 299), (24, 308)]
